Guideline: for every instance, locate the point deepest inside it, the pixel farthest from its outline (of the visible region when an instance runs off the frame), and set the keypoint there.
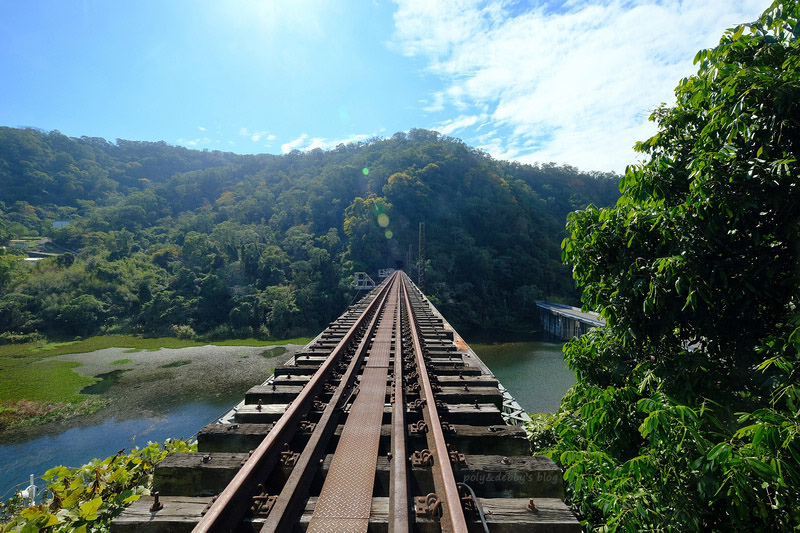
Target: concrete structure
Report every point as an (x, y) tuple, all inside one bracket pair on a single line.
[(566, 322)]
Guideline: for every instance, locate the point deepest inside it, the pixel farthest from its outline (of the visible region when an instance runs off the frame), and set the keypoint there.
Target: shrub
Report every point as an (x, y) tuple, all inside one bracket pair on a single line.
[(184, 332), (90, 496)]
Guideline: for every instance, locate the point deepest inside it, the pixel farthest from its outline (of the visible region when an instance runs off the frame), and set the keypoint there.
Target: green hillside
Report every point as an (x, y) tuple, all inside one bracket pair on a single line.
[(162, 239)]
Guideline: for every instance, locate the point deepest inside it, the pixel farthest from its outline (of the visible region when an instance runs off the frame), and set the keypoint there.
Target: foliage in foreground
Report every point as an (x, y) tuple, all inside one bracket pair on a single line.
[(686, 412), (89, 497)]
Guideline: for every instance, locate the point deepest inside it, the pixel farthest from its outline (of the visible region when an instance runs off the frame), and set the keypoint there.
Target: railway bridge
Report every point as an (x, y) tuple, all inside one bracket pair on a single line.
[(386, 422)]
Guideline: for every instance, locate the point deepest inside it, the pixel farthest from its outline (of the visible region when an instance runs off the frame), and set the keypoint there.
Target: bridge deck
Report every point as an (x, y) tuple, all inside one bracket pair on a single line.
[(387, 421)]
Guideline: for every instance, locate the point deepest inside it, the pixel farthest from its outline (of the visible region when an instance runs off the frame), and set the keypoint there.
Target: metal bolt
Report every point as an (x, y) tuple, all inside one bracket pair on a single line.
[(206, 458), (258, 407), (532, 506), (505, 461), (157, 505)]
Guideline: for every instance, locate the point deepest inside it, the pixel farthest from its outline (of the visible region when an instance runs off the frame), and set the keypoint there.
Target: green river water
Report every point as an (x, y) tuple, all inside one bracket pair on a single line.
[(534, 372)]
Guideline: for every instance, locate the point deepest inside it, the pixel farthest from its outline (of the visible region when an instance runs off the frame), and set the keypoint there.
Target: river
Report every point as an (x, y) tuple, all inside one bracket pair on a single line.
[(79, 445), (532, 370)]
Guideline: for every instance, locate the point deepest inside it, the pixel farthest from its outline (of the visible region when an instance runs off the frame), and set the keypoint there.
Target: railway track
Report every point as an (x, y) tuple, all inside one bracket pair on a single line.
[(385, 422)]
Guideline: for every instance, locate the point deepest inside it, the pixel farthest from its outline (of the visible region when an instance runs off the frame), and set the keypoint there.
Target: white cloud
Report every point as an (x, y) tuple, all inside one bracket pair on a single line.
[(194, 142), (304, 143), (574, 86), (201, 128), (451, 126), (350, 139), (295, 144), (256, 136)]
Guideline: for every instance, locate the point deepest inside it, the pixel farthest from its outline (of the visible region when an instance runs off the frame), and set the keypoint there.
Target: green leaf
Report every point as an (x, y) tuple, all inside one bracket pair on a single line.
[(71, 498), (721, 451), (761, 468), (31, 513), (131, 498), (50, 520), (88, 511)]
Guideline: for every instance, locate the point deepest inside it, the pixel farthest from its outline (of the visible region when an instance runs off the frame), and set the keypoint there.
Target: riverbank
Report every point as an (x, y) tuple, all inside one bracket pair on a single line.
[(142, 395), (46, 391)]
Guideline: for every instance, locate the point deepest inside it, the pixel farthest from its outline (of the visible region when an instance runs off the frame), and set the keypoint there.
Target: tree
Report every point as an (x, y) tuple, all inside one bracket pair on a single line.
[(82, 316), (258, 221), (408, 195), (367, 227), (685, 414), (9, 266)]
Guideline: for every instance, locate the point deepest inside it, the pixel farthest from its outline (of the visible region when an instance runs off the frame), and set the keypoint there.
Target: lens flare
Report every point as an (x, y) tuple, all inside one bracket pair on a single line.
[(365, 171), (388, 234), (383, 220)]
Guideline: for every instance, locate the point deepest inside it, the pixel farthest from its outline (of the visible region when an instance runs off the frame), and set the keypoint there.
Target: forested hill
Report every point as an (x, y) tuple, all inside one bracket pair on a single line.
[(170, 240)]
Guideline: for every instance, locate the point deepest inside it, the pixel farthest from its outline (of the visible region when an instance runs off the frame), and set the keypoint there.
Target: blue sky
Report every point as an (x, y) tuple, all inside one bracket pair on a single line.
[(569, 82)]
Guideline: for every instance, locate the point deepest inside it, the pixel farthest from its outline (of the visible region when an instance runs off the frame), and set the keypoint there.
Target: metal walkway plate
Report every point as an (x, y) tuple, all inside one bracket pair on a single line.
[(346, 498)]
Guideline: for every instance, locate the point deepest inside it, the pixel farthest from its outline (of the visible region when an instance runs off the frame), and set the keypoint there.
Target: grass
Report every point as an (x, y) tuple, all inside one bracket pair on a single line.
[(29, 413), (43, 381), (106, 380), (256, 342), (121, 361)]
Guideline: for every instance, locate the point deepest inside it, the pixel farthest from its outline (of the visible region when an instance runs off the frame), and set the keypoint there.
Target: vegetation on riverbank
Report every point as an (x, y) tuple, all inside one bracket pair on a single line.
[(88, 498)]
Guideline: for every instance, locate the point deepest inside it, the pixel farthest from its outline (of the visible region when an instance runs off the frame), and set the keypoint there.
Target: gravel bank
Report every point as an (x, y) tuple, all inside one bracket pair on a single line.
[(143, 383)]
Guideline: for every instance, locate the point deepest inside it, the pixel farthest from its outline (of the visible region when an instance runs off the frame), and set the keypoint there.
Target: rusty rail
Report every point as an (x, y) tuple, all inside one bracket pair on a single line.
[(345, 501), (378, 332), (444, 480), (231, 506)]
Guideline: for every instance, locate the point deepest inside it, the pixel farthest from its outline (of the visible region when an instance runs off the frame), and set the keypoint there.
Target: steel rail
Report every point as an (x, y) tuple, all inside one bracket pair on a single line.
[(453, 511), (231, 506), (399, 510), (345, 501), (286, 506)]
